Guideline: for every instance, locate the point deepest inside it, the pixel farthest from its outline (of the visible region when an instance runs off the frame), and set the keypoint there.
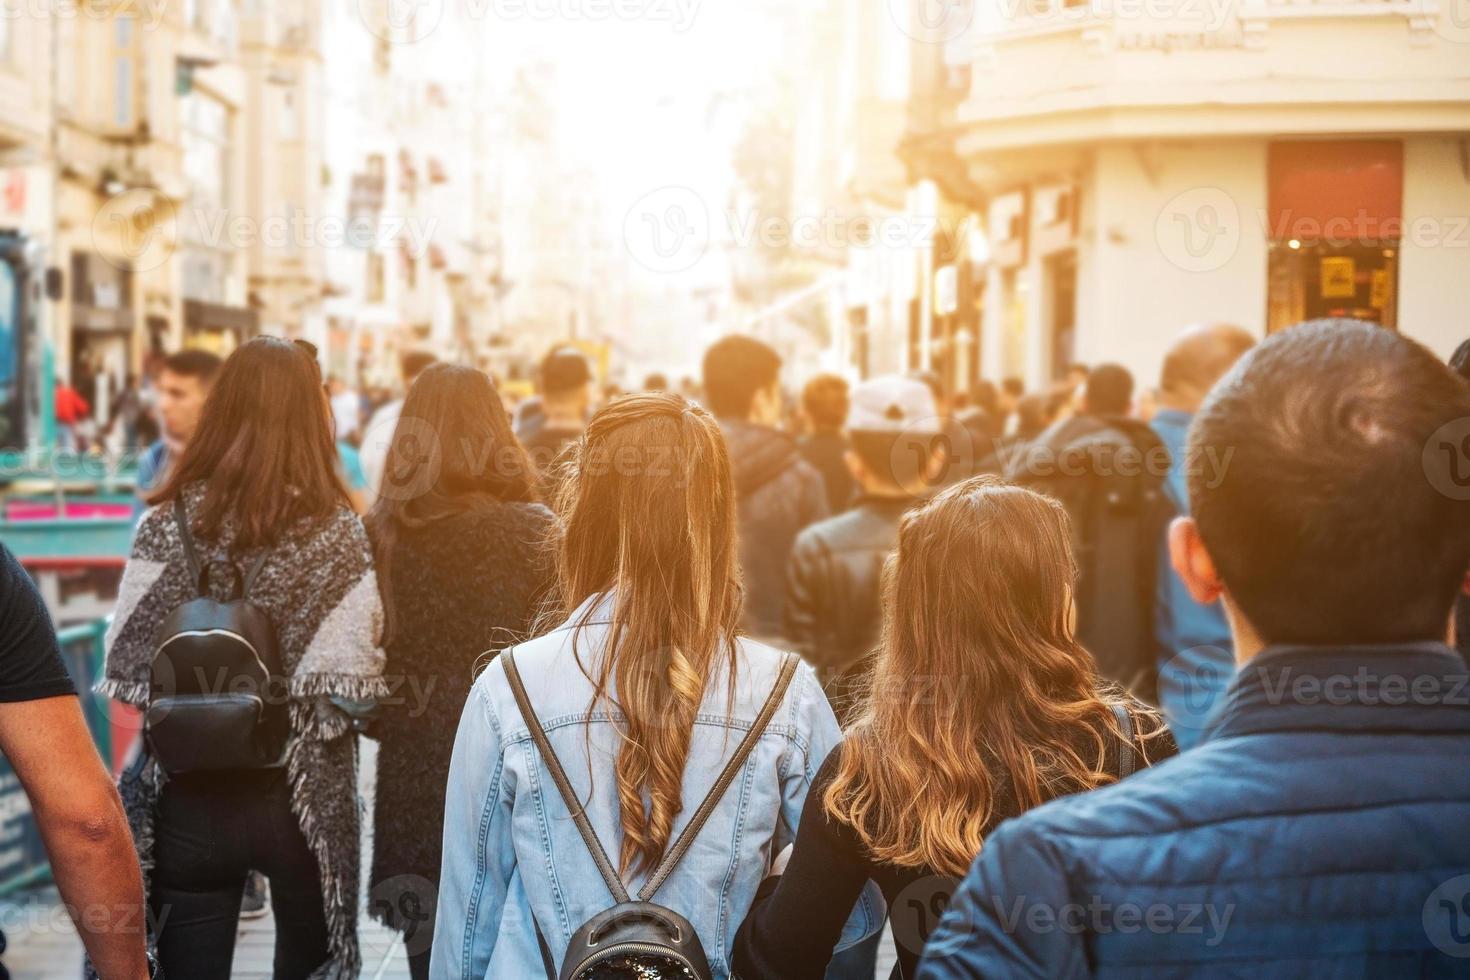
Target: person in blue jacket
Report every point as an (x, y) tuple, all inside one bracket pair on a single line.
[(1195, 658), (1319, 830)]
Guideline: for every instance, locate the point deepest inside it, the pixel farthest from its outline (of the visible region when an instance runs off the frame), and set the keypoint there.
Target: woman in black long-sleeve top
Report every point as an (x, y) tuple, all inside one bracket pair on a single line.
[(981, 706), (459, 542)]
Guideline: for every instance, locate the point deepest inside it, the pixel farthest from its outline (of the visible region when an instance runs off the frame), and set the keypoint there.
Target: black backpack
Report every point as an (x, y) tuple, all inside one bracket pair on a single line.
[(217, 696), (1111, 482), (636, 939)]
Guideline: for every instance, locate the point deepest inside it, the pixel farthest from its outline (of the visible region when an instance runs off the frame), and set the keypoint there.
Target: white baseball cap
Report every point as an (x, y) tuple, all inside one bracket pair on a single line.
[(891, 403)]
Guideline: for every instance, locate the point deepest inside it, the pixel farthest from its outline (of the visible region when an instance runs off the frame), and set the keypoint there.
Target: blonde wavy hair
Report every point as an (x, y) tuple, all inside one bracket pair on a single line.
[(979, 687), (648, 513)]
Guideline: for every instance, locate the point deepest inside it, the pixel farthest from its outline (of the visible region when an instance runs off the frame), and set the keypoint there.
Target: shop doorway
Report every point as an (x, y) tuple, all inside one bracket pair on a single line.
[(1312, 281), (1335, 218)]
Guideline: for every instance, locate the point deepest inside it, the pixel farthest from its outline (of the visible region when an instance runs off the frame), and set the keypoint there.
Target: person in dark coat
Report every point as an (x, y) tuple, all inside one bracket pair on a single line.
[(824, 402), (458, 536), (1319, 830), (778, 492), (833, 579), (1108, 469)]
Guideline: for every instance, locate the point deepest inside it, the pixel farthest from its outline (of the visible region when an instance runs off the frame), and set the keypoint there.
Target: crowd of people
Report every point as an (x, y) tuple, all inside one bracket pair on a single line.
[(712, 683)]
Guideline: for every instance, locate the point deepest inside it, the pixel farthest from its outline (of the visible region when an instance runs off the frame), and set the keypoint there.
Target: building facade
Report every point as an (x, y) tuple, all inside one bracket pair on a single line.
[(1139, 167)]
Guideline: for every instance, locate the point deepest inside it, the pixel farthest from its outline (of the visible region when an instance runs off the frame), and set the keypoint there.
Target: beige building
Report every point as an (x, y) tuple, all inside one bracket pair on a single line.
[(160, 165), (1141, 166), (281, 57)]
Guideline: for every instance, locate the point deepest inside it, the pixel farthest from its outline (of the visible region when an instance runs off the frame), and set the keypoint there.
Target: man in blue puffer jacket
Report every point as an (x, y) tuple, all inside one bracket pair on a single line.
[(1320, 829)]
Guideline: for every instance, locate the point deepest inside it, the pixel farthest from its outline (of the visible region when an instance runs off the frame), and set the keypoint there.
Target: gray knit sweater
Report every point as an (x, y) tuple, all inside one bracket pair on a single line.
[(319, 589)]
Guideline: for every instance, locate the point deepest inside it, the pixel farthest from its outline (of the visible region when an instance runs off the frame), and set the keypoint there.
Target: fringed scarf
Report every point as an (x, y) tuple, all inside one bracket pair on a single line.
[(322, 596)]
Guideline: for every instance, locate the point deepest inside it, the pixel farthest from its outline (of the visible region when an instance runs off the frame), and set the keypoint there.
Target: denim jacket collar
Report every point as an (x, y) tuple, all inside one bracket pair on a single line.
[(595, 610), (1413, 687)]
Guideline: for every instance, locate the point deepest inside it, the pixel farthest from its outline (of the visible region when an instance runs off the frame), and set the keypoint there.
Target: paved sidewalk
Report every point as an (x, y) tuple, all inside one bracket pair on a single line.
[(44, 946)]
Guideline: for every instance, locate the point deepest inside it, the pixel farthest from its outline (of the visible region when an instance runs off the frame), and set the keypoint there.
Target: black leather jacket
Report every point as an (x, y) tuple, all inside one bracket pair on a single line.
[(833, 587)]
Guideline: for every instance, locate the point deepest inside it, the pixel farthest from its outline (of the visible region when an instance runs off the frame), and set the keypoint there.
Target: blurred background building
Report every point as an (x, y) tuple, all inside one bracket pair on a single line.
[(980, 190), (1135, 165)]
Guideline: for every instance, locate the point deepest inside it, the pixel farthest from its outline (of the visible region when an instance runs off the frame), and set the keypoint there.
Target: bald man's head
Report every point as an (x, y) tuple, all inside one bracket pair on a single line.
[(1199, 357)]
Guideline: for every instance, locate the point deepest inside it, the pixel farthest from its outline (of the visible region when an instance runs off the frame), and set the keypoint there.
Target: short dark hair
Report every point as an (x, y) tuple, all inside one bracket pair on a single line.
[(412, 363), (1109, 390), (824, 399), (1460, 360), (1031, 416), (656, 382), (1013, 386), (987, 397), (896, 458), (564, 369), (1335, 518), (735, 368), (194, 363)]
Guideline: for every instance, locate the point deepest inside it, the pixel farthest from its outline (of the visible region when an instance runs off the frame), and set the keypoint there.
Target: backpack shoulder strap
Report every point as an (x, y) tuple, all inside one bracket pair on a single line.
[(727, 775), (563, 786), (191, 557), (1126, 761), (253, 573)]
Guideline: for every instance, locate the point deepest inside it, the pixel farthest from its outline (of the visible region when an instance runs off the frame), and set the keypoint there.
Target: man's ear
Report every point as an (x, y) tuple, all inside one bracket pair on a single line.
[(1192, 563)]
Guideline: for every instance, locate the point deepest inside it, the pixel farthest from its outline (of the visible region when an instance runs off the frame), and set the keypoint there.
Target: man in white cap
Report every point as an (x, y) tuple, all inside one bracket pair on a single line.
[(833, 576)]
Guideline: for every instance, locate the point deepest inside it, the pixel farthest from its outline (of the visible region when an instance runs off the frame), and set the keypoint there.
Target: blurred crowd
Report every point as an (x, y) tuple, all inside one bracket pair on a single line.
[(1086, 681)]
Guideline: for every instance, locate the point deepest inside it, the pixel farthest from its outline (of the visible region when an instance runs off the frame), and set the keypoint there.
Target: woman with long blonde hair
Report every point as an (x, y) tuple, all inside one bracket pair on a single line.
[(642, 690), (981, 706)]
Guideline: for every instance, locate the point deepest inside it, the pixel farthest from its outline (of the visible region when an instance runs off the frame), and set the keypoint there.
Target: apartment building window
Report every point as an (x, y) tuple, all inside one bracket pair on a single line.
[(290, 119), (122, 73), (206, 131)]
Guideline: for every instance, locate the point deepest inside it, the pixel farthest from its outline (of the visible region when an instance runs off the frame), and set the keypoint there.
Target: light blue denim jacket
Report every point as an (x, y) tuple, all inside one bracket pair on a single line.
[(512, 851)]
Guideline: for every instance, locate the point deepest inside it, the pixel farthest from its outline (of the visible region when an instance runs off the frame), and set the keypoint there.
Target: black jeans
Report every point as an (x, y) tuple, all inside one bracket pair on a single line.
[(212, 829)]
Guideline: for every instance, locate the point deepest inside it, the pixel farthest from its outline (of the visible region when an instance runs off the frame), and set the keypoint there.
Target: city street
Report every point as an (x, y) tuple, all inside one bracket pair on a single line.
[(784, 453)]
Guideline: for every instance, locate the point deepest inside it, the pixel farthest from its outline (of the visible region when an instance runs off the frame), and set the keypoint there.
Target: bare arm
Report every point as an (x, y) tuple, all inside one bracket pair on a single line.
[(83, 826)]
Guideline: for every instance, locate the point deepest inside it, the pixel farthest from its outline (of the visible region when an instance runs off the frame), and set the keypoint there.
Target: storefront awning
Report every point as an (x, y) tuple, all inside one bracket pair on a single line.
[(239, 320)]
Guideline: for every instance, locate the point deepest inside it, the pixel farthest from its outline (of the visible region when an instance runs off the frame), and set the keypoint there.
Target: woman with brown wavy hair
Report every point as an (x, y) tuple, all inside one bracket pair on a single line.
[(981, 706), (643, 689)]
